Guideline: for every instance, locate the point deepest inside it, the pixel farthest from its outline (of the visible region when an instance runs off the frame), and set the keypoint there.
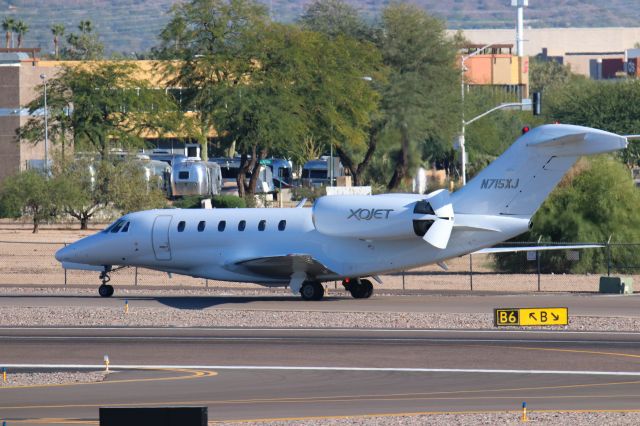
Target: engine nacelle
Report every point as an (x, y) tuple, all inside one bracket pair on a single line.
[(366, 217)]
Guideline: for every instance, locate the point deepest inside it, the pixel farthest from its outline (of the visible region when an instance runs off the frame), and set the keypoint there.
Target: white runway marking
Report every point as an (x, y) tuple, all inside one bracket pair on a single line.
[(113, 367), (362, 330)]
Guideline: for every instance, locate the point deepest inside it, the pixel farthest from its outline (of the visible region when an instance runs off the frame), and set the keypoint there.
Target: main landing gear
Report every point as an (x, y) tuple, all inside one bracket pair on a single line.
[(105, 290), (312, 290), (359, 288)]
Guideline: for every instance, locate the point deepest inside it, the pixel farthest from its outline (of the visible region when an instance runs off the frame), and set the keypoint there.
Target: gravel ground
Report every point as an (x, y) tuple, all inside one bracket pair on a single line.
[(506, 418), (51, 378), (170, 317)]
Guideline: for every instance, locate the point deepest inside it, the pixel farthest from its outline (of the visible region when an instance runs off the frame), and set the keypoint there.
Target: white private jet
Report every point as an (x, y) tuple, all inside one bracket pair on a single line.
[(346, 238)]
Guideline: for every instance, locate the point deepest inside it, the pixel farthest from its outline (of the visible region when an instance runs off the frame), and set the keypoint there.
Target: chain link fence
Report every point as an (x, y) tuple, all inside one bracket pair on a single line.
[(33, 263)]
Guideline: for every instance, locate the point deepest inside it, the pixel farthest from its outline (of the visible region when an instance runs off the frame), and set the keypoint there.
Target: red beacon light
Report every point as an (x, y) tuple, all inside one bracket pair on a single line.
[(525, 129)]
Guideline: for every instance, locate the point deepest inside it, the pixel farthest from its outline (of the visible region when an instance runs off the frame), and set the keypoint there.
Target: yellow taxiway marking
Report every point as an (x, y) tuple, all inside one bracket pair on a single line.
[(577, 351), (191, 375)]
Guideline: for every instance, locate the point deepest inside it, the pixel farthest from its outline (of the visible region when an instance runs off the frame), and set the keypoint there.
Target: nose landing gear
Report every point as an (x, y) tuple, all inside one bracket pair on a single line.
[(105, 290)]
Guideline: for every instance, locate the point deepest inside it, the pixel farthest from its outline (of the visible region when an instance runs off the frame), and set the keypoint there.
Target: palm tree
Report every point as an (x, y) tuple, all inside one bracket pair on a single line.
[(58, 31), (21, 29), (8, 24), (85, 27)]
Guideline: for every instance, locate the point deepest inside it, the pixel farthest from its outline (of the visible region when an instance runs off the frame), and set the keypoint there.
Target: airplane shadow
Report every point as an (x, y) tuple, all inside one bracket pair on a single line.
[(200, 302)]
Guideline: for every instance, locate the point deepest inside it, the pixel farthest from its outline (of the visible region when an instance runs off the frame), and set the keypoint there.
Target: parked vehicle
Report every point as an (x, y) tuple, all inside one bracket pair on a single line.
[(168, 157), (156, 173), (281, 170), (318, 172), (229, 169), (195, 177)]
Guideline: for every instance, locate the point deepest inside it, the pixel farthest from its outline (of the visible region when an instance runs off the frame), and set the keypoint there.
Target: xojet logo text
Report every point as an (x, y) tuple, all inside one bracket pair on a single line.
[(369, 214)]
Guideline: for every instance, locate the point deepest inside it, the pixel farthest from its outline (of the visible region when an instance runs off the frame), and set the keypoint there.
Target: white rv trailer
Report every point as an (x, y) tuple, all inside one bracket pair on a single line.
[(195, 177)]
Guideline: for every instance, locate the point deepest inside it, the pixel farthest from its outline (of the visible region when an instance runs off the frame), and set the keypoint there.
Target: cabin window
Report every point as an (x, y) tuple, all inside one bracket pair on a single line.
[(181, 225), (282, 225), (201, 225), (125, 228), (262, 225), (221, 225), (183, 175), (241, 225)]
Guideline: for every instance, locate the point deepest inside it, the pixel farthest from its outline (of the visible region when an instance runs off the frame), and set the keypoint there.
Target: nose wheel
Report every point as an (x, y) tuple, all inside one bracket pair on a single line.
[(105, 290)]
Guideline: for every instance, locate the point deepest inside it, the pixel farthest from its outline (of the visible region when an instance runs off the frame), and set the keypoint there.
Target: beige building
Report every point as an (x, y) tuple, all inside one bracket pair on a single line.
[(584, 49), (19, 76), (560, 41)]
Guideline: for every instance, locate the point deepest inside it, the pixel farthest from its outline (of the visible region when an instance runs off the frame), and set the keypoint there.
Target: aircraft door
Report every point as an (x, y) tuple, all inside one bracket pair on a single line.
[(160, 238)]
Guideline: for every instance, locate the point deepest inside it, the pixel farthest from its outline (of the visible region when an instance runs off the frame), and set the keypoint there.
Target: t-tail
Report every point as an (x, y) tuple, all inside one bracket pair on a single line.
[(518, 181)]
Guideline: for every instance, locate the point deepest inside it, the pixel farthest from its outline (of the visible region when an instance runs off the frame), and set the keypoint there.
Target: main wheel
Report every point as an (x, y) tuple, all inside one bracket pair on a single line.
[(105, 290), (312, 290), (363, 290)]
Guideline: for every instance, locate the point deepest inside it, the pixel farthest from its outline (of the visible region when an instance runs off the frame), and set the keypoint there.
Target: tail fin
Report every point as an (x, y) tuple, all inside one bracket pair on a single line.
[(518, 181)]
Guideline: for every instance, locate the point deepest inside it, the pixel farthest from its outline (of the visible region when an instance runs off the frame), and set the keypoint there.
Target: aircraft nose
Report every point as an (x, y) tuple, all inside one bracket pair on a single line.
[(66, 254)]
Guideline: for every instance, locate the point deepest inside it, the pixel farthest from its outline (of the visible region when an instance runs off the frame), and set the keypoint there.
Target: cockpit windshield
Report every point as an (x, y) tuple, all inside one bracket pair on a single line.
[(120, 225)]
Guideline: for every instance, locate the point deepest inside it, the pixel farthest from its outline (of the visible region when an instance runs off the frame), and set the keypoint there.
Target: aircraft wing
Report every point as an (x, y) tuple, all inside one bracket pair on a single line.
[(283, 267), (514, 249)]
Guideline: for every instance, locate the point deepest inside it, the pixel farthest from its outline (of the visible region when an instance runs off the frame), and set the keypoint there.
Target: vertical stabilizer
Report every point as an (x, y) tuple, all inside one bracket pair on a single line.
[(518, 181)]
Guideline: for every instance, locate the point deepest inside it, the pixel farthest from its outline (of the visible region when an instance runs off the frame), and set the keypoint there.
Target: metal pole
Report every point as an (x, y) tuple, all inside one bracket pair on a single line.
[(538, 259), (403, 280), (331, 166), (65, 272), (471, 271), (461, 141), (520, 32), (135, 282), (46, 127), (609, 256)]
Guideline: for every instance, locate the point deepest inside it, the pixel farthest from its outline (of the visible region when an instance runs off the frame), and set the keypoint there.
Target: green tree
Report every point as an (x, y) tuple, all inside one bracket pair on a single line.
[(92, 185), (8, 25), (58, 31), (548, 75), (597, 199), (31, 193), (349, 100), (217, 52), (420, 102), (83, 46), (21, 28), (101, 106), (335, 18), (611, 106)]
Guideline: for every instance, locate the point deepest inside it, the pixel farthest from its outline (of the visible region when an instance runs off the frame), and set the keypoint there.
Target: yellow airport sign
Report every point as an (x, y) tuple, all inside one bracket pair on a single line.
[(531, 316)]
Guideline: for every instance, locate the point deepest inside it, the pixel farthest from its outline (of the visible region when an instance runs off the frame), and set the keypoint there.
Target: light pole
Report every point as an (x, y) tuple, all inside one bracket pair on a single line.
[(461, 139), (46, 127)]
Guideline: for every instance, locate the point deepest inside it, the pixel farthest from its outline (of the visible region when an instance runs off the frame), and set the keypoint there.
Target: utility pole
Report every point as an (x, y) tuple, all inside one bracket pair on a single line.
[(520, 4)]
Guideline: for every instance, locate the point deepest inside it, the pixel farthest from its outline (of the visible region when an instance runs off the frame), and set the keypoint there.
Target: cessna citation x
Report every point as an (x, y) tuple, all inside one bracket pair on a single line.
[(346, 238)]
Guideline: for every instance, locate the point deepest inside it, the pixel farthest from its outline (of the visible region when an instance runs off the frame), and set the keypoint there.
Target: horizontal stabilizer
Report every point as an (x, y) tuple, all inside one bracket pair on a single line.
[(493, 250)]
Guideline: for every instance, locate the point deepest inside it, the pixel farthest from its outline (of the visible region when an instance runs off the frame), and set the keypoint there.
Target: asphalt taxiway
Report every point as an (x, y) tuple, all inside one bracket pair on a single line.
[(338, 301), (248, 374)]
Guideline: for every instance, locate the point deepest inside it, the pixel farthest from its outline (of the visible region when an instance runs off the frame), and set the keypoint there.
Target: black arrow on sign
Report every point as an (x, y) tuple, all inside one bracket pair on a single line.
[(533, 316), (555, 317)]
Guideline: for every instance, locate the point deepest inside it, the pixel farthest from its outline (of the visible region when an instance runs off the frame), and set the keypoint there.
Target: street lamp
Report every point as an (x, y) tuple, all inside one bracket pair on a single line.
[(461, 139), (46, 127)]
